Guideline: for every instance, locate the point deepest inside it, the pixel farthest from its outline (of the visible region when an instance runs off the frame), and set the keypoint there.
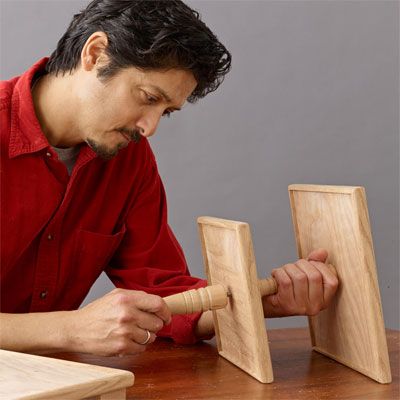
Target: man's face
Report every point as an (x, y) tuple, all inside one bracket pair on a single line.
[(128, 105)]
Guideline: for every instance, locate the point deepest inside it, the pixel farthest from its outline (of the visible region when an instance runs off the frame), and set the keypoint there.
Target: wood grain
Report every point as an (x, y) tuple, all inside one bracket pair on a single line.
[(351, 330), (29, 377), (169, 371), (239, 327)]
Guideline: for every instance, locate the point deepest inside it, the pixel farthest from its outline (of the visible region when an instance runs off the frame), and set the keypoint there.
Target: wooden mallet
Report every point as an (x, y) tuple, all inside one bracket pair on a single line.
[(350, 331)]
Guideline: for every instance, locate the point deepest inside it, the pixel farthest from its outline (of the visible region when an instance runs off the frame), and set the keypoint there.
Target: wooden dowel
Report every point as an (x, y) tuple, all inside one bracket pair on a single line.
[(203, 299), (267, 286)]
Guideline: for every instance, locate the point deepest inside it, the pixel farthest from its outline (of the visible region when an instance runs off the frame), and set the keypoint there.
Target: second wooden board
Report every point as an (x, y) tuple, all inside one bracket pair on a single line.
[(351, 330), (239, 327)]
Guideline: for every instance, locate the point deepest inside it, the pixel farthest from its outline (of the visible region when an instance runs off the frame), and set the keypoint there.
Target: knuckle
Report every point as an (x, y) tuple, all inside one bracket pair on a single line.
[(332, 283), (274, 271), (301, 278), (315, 277), (158, 302), (138, 294), (122, 299), (124, 317), (158, 325), (285, 283), (121, 347), (289, 267), (314, 310)]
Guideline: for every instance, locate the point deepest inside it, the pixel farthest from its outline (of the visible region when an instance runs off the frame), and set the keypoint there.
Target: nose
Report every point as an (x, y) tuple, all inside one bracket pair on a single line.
[(148, 123)]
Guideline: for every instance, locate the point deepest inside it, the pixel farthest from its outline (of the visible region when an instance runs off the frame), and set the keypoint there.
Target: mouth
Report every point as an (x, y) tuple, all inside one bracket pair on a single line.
[(125, 136), (128, 136)]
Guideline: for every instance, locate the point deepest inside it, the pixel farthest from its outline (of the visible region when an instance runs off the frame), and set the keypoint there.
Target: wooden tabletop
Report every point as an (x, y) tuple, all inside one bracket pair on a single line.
[(168, 371)]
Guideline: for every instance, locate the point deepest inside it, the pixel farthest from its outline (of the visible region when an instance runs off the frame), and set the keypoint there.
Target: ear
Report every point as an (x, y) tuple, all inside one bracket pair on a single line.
[(93, 52)]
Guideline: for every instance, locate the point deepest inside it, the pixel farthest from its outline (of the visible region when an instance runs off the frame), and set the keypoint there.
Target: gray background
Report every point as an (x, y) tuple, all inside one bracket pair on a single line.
[(313, 97)]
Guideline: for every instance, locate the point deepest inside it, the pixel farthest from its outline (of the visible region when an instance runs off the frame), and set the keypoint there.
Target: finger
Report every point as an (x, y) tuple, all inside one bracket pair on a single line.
[(153, 304), (300, 286), (149, 321), (285, 293), (140, 336), (164, 313), (143, 337), (318, 255), (132, 333), (315, 286), (330, 281), (128, 347)]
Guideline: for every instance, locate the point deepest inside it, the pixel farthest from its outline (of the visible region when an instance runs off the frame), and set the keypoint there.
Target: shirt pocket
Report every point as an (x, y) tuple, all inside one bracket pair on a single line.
[(93, 253)]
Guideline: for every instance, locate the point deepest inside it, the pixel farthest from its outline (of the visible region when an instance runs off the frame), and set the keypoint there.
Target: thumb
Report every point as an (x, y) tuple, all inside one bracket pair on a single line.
[(318, 255)]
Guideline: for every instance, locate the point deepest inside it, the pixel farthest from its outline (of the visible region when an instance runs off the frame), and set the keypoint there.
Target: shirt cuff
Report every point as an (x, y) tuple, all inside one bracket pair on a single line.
[(181, 329)]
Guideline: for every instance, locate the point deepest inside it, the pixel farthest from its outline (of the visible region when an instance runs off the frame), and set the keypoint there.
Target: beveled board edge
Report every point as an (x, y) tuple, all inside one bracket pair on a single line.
[(115, 379)]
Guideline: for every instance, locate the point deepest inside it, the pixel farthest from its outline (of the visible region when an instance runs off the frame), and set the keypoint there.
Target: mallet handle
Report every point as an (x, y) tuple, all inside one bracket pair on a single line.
[(267, 286), (194, 300)]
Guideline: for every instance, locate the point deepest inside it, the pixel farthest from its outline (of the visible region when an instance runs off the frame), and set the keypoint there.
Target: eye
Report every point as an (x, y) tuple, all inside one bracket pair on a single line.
[(167, 113), (150, 99)]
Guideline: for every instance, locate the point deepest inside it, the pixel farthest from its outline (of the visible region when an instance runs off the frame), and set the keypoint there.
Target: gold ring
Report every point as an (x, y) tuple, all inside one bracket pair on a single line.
[(147, 339)]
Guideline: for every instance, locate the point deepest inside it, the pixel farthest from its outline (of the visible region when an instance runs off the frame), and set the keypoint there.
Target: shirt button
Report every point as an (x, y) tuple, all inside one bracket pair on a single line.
[(43, 294), (50, 236), (48, 154)]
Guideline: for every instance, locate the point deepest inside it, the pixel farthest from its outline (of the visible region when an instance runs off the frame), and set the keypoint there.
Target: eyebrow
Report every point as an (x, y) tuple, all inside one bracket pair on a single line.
[(163, 94)]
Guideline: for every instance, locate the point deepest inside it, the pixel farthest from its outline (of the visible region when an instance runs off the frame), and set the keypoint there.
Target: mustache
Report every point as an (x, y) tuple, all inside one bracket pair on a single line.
[(133, 134)]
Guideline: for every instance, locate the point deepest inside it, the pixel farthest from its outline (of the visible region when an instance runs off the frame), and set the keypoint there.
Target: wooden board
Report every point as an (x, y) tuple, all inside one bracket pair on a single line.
[(351, 330), (26, 376), (239, 327)]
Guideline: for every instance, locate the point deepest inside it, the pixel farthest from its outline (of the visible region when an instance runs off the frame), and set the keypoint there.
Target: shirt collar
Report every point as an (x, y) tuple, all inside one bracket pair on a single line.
[(26, 135)]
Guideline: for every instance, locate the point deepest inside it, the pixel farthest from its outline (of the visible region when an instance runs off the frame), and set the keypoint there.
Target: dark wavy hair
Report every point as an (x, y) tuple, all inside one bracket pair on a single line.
[(146, 34)]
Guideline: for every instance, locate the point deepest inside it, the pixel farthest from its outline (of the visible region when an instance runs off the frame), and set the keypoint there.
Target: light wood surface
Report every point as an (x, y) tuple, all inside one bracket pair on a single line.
[(167, 371), (351, 330), (195, 300), (239, 327), (29, 377)]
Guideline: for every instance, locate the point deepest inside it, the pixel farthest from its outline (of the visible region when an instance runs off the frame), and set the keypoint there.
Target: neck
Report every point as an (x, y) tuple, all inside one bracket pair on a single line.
[(54, 108)]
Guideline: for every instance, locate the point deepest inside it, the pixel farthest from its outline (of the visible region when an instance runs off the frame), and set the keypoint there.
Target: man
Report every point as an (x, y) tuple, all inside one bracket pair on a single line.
[(81, 192)]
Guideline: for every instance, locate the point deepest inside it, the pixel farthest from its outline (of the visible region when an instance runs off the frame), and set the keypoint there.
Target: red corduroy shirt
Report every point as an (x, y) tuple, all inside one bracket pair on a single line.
[(59, 232)]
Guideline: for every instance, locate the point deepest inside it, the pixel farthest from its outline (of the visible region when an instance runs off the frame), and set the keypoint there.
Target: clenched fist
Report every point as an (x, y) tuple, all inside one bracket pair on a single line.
[(304, 288), (121, 322)]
